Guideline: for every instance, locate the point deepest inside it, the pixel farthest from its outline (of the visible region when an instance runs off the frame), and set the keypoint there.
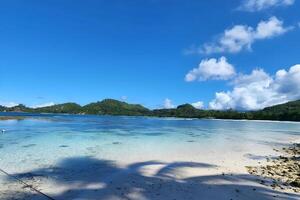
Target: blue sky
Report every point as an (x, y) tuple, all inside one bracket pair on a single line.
[(84, 51)]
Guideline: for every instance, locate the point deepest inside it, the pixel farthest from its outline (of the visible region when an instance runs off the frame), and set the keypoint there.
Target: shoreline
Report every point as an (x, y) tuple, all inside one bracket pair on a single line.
[(189, 182), (280, 112), (190, 179), (148, 168), (145, 116)]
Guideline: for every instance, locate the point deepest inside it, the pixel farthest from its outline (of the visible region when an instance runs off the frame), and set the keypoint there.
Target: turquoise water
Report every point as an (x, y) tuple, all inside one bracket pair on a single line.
[(108, 157), (42, 140)]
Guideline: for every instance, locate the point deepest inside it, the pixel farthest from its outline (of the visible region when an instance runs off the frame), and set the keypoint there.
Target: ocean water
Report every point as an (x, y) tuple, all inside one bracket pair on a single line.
[(43, 140), (109, 157)]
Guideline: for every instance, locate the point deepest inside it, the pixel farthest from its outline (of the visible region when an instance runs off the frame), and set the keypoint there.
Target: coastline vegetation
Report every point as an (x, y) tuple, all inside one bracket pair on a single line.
[(284, 112)]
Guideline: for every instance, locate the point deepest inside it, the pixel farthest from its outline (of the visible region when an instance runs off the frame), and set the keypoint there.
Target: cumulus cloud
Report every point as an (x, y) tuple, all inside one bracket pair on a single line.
[(241, 37), (198, 104), (272, 27), (43, 105), (168, 104), (288, 82), (259, 90), (258, 5), (8, 104), (216, 69)]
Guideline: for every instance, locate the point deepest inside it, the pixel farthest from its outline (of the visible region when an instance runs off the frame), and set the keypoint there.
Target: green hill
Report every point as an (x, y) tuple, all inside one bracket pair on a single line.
[(114, 107), (284, 112), (185, 111), (286, 107), (71, 108), (288, 111), (18, 108)]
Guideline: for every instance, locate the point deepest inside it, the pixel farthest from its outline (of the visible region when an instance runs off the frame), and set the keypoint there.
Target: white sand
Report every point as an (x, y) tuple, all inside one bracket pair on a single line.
[(212, 174), (162, 167)]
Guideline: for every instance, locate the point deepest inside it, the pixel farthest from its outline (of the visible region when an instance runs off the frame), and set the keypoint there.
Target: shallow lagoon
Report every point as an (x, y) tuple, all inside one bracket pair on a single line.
[(75, 142)]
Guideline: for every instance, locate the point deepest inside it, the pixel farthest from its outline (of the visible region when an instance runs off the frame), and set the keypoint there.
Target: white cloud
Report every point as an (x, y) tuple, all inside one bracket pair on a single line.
[(241, 37), (168, 104), (123, 98), (272, 27), (43, 105), (217, 69), (232, 40), (258, 90), (288, 82), (258, 76), (8, 104), (258, 5), (198, 104), (221, 102)]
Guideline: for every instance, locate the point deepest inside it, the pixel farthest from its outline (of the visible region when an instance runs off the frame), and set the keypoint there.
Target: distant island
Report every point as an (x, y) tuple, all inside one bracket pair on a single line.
[(284, 112)]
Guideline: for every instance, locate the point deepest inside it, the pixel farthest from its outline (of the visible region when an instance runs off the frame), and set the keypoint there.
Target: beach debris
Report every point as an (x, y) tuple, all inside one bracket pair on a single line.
[(282, 171)]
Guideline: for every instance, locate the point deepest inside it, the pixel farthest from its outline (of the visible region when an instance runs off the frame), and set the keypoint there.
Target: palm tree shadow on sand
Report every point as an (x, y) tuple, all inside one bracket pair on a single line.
[(88, 178)]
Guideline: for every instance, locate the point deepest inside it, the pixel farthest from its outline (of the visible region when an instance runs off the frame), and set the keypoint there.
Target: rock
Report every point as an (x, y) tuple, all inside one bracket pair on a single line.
[(283, 170), (296, 183)]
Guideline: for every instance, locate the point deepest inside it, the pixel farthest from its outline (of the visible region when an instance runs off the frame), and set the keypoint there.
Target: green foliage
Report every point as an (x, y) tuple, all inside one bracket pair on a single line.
[(2, 108), (285, 112), (18, 108), (114, 107), (184, 111), (71, 108), (289, 111)]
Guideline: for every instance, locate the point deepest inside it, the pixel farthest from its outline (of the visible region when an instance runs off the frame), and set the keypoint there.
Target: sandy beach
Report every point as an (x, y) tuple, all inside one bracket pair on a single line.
[(217, 174), (150, 100)]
